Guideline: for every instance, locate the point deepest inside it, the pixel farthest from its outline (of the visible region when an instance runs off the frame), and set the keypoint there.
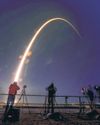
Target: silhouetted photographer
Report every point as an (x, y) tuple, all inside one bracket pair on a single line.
[(51, 97), (91, 97), (97, 89), (89, 92)]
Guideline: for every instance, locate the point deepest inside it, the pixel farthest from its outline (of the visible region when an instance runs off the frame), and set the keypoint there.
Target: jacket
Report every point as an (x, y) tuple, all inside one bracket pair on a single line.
[(13, 89)]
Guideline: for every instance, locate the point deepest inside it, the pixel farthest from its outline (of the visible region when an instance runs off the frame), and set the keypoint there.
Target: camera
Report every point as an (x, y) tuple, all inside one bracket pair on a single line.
[(97, 88), (25, 86)]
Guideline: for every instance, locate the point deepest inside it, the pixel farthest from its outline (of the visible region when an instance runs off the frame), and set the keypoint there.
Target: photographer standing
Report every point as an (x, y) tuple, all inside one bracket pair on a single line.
[(13, 88), (51, 97), (90, 94)]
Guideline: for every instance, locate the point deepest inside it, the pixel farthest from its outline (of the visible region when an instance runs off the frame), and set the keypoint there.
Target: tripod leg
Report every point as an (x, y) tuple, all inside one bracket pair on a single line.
[(49, 104), (23, 94), (27, 101), (52, 105), (20, 96), (45, 107)]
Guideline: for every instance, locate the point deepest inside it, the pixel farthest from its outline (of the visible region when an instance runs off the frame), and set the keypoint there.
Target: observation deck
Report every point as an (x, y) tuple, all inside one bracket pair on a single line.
[(68, 110)]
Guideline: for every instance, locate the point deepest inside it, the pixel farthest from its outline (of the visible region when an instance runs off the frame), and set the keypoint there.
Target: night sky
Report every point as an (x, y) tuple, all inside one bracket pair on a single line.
[(59, 55)]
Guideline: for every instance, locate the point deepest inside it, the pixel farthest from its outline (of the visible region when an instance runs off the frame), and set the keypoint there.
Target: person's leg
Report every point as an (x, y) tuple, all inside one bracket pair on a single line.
[(6, 109), (52, 105), (48, 104), (9, 106), (13, 99)]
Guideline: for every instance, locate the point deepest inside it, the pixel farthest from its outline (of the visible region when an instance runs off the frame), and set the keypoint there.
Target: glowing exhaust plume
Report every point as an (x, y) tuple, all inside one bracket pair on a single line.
[(17, 75)]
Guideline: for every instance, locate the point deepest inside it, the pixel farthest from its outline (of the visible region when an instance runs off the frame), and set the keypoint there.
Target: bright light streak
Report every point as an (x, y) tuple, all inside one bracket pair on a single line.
[(18, 72)]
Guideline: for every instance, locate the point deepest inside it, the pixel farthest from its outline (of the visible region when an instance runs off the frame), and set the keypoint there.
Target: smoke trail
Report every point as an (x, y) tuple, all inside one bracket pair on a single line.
[(18, 72)]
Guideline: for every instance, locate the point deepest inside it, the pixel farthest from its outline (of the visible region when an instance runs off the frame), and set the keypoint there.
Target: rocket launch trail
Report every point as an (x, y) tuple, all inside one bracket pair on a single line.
[(33, 40)]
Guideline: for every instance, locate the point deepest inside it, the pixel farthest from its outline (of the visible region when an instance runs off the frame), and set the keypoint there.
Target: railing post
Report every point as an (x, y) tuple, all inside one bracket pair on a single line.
[(80, 103), (66, 99)]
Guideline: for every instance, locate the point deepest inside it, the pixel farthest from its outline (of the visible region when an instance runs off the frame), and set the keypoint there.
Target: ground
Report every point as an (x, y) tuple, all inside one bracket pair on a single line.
[(29, 117)]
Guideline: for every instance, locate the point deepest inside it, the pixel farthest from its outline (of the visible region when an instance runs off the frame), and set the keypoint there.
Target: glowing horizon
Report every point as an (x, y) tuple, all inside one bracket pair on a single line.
[(21, 64)]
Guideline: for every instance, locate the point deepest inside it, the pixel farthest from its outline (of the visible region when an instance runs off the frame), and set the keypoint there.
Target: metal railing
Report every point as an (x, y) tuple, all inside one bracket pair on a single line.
[(60, 100)]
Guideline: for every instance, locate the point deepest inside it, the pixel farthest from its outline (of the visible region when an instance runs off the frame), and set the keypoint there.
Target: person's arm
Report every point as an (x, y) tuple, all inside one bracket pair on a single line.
[(10, 86), (17, 87)]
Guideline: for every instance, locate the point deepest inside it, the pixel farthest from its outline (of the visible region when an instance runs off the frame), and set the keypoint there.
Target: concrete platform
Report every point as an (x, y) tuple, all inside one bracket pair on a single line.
[(31, 118)]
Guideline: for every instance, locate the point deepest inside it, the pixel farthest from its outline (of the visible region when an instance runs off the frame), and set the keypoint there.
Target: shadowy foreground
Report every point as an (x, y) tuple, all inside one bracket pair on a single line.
[(28, 118)]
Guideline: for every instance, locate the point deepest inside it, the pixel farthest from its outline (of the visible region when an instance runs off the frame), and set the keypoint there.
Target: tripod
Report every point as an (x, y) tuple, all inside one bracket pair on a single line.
[(24, 97), (49, 104)]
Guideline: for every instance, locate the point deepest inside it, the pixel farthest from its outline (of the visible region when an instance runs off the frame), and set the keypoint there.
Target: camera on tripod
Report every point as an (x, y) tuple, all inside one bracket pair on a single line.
[(97, 88), (25, 86)]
